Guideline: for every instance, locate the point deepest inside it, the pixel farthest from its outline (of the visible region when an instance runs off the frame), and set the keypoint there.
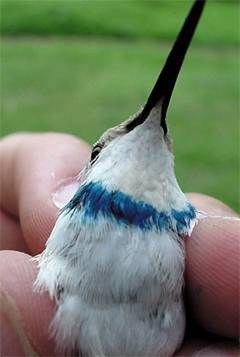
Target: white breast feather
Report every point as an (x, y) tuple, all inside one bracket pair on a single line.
[(121, 286)]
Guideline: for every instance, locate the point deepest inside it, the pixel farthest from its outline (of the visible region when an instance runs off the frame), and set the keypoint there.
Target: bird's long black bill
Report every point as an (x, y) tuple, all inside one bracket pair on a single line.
[(163, 88)]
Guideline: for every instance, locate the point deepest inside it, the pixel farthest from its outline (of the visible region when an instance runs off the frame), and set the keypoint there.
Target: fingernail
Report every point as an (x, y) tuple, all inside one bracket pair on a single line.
[(65, 191)]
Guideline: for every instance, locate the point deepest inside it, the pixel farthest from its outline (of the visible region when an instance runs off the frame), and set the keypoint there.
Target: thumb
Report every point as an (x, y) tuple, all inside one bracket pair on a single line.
[(35, 167), (25, 315)]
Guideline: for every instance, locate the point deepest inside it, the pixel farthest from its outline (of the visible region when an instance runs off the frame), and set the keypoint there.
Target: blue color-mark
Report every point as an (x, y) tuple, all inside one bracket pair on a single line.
[(93, 200)]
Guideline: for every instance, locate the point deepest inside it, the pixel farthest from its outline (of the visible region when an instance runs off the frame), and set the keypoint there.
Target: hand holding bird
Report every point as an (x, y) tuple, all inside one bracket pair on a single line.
[(31, 181)]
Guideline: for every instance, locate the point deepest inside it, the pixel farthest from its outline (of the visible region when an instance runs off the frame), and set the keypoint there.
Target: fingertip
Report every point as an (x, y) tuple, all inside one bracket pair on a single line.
[(210, 205), (212, 262), (54, 158), (34, 166)]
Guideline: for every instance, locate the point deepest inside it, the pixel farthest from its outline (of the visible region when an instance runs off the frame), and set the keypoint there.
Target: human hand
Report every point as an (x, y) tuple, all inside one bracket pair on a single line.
[(39, 171)]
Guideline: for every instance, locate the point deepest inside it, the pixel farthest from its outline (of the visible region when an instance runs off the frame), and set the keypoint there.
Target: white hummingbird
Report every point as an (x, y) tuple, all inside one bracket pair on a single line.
[(114, 262)]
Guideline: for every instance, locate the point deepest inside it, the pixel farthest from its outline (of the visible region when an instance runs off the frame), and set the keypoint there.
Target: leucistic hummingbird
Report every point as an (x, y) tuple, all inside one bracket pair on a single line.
[(114, 261)]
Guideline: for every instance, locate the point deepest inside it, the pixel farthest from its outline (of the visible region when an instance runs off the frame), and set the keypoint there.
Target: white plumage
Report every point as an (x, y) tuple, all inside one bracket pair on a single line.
[(119, 287), (114, 262)]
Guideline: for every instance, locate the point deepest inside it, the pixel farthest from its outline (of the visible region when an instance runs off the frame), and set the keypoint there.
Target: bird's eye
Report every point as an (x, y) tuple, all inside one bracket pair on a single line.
[(95, 152)]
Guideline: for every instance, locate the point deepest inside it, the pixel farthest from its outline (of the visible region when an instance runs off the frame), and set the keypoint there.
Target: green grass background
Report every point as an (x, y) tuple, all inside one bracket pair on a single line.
[(82, 66)]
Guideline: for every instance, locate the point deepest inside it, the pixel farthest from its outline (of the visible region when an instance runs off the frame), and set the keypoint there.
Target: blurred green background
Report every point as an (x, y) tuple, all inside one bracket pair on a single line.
[(82, 66)]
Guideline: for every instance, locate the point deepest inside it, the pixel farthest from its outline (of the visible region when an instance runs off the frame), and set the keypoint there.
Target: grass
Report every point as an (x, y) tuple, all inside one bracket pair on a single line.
[(81, 66), (125, 19), (83, 86)]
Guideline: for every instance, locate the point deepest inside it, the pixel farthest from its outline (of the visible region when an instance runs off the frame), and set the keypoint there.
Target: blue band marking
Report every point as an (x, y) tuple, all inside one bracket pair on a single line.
[(93, 200)]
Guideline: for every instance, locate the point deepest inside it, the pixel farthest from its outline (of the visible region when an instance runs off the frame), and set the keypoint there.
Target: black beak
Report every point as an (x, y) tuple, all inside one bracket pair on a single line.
[(163, 88)]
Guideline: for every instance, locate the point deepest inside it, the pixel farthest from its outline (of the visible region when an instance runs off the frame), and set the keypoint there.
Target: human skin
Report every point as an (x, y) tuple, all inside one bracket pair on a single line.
[(38, 174)]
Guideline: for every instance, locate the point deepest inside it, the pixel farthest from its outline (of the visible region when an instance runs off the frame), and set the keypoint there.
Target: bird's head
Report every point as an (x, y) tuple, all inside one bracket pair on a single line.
[(136, 156)]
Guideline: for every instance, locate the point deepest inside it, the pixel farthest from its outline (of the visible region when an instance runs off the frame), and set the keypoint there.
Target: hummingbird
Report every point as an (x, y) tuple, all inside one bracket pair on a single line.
[(114, 262)]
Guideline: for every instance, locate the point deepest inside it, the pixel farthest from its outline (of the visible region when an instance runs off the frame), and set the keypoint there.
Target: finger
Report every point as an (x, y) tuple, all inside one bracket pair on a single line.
[(211, 205), (10, 233), (206, 348), (34, 166), (212, 254), (25, 315)]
